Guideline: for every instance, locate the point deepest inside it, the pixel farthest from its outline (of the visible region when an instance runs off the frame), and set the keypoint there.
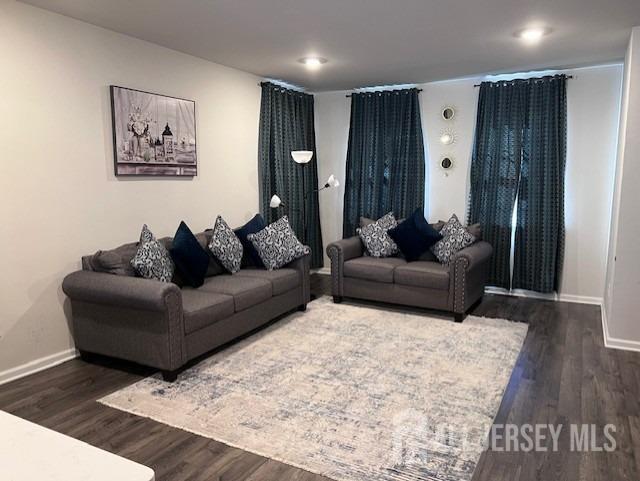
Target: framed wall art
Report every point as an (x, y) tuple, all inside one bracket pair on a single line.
[(153, 135)]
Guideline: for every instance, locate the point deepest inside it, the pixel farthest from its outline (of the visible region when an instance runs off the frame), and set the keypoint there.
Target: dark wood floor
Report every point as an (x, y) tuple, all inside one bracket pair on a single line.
[(564, 375)]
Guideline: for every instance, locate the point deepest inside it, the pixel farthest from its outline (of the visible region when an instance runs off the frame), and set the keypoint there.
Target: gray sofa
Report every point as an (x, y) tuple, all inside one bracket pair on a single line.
[(424, 283), (164, 326)]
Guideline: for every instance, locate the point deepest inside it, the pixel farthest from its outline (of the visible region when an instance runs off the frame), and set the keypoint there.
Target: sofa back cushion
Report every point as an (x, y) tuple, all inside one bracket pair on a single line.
[(118, 261)]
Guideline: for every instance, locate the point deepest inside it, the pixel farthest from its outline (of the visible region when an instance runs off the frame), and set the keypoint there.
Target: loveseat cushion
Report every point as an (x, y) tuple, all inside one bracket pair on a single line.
[(282, 280), (414, 236), (372, 268), (201, 309), (432, 275), (246, 291)]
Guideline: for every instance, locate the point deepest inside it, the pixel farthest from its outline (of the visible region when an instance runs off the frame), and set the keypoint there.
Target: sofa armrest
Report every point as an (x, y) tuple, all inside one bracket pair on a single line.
[(468, 274), (474, 255), (346, 249), (303, 266), (339, 252), (113, 290), (140, 320)]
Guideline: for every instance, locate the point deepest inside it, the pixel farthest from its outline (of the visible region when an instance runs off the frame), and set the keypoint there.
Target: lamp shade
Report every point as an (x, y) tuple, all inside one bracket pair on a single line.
[(332, 181), (302, 156), (275, 202)]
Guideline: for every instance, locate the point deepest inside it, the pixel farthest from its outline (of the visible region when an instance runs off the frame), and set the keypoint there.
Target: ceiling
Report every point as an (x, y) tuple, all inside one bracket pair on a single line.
[(370, 42)]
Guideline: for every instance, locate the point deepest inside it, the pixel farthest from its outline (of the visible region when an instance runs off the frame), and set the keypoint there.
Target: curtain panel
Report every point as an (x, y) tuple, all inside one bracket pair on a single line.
[(540, 230), (287, 124), (519, 156), (385, 157)]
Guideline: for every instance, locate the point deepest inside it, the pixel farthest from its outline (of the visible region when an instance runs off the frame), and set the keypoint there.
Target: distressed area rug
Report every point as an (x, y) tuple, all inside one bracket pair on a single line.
[(353, 393)]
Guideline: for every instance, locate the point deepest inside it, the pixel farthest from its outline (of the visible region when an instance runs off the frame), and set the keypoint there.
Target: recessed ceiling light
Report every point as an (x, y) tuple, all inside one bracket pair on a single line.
[(532, 35), (312, 62)]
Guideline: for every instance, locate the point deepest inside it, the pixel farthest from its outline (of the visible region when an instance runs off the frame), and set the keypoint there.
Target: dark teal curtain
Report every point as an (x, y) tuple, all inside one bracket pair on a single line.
[(385, 157), (495, 170), (287, 124), (519, 156), (539, 240)]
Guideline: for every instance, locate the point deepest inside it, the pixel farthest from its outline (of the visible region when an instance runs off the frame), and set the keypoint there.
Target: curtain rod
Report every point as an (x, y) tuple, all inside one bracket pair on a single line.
[(506, 81), (374, 91)]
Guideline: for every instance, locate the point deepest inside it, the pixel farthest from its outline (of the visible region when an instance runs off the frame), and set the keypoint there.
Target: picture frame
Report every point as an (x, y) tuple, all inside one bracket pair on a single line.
[(153, 134)]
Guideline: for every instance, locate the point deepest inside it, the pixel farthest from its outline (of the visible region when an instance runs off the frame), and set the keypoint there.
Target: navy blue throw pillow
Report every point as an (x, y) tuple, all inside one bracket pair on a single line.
[(190, 258), (414, 236), (250, 256)]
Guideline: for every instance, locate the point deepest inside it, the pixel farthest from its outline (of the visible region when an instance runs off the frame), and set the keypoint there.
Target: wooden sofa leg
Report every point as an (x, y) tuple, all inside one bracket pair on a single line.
[(302, 307), (337, 299), (169, 376), (459, 316)]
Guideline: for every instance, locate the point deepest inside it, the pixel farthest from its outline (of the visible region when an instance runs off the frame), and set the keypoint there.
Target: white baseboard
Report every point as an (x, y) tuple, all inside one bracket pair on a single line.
[(613, 342), (37, 365), (325, 271), (549, 297)]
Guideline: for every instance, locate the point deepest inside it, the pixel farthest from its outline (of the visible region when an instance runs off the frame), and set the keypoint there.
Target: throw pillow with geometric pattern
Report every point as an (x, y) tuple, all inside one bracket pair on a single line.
[(152, 260), (455, 237), (226, 246), (375, 238), (277, 244)]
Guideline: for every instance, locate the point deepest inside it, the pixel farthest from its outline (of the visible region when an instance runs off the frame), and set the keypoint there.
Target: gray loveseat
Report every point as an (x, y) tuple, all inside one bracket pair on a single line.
[(164, 326), (423, 283)]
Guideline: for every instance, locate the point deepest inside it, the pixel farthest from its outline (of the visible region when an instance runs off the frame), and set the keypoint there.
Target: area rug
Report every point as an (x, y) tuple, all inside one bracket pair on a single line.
[(349, 392)]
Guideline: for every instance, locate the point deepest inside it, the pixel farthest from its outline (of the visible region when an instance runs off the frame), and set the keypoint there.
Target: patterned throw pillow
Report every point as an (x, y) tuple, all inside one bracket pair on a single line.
[(277, 244), (454, 238), (152, 260), (375, 238), (226, 246)]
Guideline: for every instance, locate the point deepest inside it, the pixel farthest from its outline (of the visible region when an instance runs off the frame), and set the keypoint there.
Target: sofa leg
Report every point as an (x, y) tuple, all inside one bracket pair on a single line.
[(459, 316), (302, 307), (337, 299), (169, 376)]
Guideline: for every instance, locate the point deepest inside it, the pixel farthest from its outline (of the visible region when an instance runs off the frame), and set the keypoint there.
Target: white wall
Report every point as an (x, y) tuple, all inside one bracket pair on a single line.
[(621, 296), (59, 196), (593, 98)]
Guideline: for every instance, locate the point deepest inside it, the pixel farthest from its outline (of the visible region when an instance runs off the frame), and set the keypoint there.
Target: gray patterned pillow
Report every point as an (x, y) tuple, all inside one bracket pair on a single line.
[(277, 244), (454, 238), (375, 238), (146, 235), (152, 260), (226, 246)]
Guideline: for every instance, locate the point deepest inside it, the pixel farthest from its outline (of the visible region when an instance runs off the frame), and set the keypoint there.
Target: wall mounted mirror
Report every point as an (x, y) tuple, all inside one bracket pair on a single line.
[(446, 164), (447, 137), (448, 113)]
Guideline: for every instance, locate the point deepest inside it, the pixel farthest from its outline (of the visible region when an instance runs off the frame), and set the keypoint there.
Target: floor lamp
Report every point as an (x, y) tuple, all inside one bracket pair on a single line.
[(303, 157)]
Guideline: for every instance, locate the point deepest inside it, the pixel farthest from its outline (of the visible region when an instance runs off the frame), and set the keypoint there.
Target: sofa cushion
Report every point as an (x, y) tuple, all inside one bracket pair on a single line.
[(250, 256), (277, 244), (246, 291), (376, 239), (454, 238), (373, 269), (282, 280), (152, 259), (432, 275), (202, 309), (114, 261), (190, 259), (225, 246), (414, 236), (214, 268)]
